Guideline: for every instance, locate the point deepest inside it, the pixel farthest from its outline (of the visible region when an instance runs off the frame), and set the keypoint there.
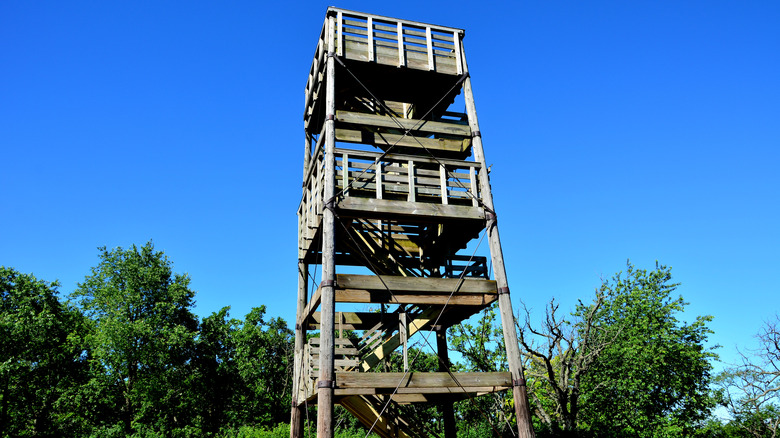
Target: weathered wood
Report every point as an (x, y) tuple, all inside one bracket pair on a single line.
[(414, 125), (354, 320), (390, 344), (362, 15), (296, 413), (448, 412), (423, 382), (406, 284), (326, 373), (311, 306), (388, 139), (336, 341), (457, 299), (363, 155), (374, 208)]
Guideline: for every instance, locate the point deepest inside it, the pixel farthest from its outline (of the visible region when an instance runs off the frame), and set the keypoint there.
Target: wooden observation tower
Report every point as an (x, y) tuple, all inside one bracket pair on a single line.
[(395, 188)]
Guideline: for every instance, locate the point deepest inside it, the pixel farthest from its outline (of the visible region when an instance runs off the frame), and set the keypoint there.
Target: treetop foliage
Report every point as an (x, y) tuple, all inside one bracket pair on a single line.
[(124, 355)]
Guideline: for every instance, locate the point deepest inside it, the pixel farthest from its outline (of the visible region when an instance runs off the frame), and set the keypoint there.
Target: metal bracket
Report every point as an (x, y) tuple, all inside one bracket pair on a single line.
[(328, 283), (326, 384), (331, 54), (517, 383), (476, 134), (503, 290), (491, 216), (330, 117), (297, 327)]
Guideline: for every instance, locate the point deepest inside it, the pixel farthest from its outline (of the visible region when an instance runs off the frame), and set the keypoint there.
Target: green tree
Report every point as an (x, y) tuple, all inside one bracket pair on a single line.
[(264, 359), (622, 365), (40, 358), (141, 340), (217, 371)]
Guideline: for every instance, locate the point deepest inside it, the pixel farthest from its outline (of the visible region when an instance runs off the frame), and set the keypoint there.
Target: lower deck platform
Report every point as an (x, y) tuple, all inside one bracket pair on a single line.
[(417, 387)]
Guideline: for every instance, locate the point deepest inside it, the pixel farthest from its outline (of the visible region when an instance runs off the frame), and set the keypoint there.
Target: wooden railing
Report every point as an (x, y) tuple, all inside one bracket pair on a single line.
[(406, 177), (397, 177), (312, 204), (389, 41)]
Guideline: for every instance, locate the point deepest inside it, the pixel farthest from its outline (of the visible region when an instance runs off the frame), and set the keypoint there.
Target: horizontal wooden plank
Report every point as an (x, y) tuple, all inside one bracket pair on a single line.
[(366, 207), (414, 124), (423, 381), (422, 391), (413, 284), (368, 155), (363, 16), (457, 299), (339, 350), (351, 363), (412, 59), (337, 340), (385, 139)]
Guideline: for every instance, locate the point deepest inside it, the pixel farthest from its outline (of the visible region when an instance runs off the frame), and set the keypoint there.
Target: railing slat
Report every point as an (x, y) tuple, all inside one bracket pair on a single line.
[(340, 35), (473, 188), (443, 182), (412, 196), (430, 47), (370, 29), (400, 45)]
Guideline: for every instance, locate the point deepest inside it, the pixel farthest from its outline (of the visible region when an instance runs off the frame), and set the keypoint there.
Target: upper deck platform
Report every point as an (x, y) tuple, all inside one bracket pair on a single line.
[(375, 48)]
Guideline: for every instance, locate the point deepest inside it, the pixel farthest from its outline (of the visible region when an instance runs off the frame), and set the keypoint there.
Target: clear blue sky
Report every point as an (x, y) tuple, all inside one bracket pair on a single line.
[(646, 130)]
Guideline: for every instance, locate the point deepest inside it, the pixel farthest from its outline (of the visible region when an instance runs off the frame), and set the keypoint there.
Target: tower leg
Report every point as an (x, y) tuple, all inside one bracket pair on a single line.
[(328, 309), (296, 413), (444, 362), (522, 411)]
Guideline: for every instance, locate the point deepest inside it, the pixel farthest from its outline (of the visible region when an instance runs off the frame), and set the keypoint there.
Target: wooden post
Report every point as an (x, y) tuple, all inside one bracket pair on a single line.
[(444, 362), (296, 413), (402, 332), (327, 326), (522, 411)]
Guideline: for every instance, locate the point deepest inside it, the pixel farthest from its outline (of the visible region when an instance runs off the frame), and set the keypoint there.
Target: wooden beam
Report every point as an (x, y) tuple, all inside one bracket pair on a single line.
[(351, 206), (415, 125), (414, 284), (311, 306), (423, 382), (386, 139)]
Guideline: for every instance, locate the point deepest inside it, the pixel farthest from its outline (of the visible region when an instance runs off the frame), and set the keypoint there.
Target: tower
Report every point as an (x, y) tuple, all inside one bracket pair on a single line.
[(395, 188)]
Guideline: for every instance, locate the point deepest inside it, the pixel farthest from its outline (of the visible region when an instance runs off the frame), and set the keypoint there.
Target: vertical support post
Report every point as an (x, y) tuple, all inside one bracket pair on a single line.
[(456, 45), (345, 174), (412, 195), (429, 43), (306, 155), (296, 412), (340, 36), (403, 333), (443, 184), (378, 170), (519, 392), (444, 363), (327, 327), (474, 188)]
